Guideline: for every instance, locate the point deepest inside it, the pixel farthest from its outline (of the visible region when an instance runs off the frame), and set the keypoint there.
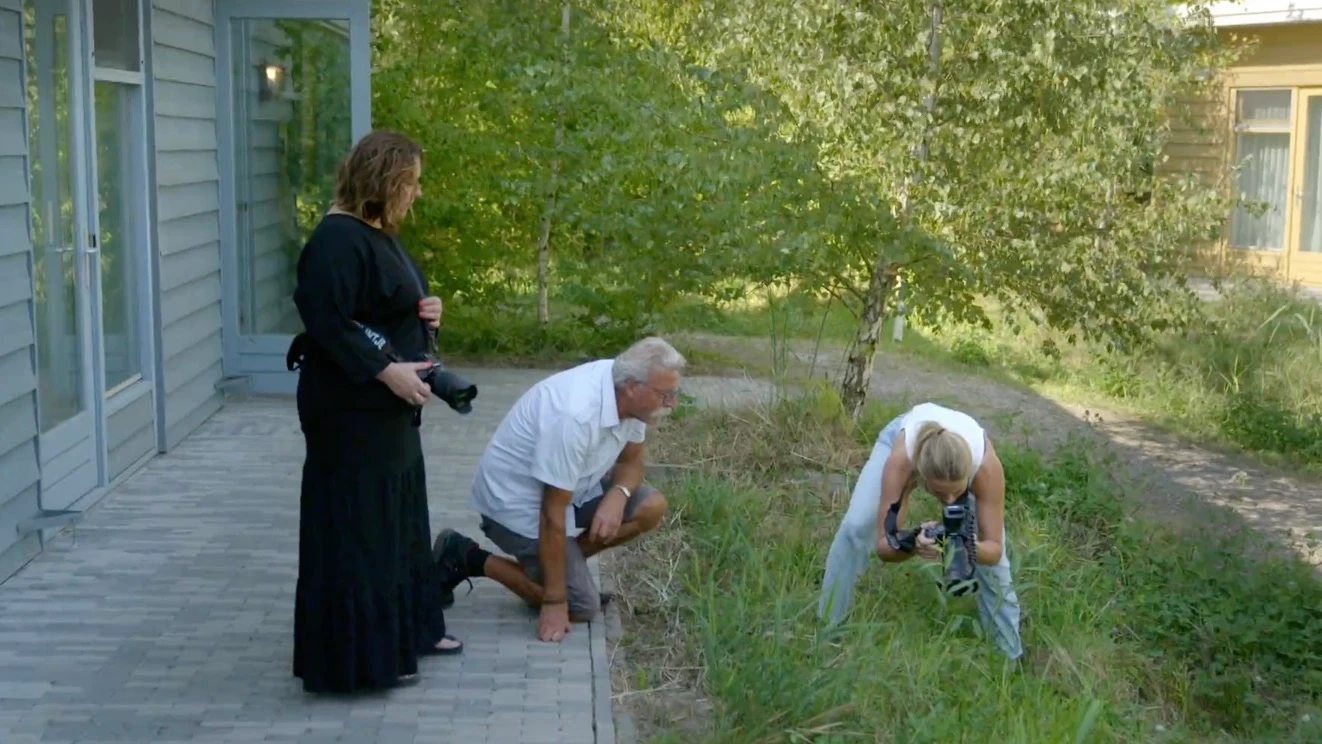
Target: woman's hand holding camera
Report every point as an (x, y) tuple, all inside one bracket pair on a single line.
[(925, 546), (402, 379)]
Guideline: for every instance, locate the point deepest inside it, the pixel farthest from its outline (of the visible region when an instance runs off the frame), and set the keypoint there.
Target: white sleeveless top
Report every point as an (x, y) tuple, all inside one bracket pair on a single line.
[(958, 422)]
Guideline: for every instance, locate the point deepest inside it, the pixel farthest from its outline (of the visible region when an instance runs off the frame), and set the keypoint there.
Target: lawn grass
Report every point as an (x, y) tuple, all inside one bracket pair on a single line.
[(508, 334), (1245, 375), (792, 314), (1135, 632)]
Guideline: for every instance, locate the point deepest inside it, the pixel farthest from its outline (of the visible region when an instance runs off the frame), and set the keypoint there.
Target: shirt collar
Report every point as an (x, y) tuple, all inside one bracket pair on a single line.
[(610, 410)]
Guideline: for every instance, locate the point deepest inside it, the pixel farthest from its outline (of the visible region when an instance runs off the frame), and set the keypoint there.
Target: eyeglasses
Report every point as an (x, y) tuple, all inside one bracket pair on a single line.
[(666, 395)]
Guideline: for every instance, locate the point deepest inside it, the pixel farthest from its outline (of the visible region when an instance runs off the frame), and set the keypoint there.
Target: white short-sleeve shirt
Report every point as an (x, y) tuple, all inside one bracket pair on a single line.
[(956, 421), (564, 432)]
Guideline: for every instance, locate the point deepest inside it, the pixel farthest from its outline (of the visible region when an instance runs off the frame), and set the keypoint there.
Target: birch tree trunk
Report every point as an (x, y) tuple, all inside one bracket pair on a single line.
[(544, 239), (858, 367)]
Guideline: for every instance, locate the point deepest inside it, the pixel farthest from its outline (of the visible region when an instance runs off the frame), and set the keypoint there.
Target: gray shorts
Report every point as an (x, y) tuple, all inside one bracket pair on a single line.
[(584, 597)]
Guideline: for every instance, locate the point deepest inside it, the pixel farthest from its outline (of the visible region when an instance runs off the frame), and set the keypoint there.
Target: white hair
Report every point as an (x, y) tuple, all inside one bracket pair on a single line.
[(639, 361)]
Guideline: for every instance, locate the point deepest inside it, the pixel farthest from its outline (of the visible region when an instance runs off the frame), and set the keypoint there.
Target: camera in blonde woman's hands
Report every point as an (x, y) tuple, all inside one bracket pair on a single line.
[(954, 537)]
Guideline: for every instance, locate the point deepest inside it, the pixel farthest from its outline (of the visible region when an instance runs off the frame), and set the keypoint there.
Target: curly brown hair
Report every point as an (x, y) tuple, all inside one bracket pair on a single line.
[(375, 180)]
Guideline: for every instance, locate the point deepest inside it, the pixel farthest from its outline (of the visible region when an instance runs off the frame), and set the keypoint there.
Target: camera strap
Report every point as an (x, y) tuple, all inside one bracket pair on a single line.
[(298, 351), (891, 514), (419, 283), (903, 543), (970, 515)]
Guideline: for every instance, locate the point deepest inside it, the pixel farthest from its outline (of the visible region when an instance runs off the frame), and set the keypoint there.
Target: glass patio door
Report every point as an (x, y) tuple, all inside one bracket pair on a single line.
[(64, 249), (296, 76), (1306, 228)]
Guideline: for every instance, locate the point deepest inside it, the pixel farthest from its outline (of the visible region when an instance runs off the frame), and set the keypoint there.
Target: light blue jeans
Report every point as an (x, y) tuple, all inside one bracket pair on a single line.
[(855, 544)]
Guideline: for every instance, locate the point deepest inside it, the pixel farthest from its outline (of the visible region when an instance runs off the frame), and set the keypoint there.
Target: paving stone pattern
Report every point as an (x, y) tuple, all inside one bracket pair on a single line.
[(166, 615)]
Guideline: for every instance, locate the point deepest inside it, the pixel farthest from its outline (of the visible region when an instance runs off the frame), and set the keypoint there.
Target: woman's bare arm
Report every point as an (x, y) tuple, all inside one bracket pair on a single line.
[(895, 475), (989, 487)]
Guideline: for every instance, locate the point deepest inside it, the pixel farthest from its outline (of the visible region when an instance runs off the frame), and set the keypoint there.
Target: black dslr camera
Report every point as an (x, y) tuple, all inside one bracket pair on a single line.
[(457, 392), (955, 536)]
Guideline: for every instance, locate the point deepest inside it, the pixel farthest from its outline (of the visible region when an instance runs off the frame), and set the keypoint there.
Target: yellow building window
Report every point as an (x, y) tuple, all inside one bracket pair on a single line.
[(1309, 196), (1263, 133)]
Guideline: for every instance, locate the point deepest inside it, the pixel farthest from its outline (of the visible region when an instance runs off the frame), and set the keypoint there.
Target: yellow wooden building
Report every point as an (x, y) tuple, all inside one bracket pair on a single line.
[(1270, 122)]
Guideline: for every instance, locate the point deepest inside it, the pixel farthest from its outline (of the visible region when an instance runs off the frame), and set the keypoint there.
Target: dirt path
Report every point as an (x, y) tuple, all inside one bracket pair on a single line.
[(1178, 480)]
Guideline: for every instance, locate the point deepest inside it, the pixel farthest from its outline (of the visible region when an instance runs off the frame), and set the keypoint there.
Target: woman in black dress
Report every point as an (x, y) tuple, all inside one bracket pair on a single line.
[(367, 603)]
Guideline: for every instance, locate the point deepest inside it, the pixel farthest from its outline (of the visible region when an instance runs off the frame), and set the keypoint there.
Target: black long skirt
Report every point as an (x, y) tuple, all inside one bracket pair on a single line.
[(367, 601)]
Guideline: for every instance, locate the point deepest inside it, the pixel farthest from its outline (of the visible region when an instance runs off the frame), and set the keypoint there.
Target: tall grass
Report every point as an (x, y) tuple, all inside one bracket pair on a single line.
[(1135, 632), (1247, 373)]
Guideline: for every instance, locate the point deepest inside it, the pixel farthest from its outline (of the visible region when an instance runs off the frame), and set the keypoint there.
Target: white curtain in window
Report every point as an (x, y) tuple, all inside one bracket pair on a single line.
[(1265, 105), (1265, 158), (1310, 226)]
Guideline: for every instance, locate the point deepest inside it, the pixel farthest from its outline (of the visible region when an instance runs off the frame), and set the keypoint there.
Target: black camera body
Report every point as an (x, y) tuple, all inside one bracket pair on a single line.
[(457, 392), (956, 536)]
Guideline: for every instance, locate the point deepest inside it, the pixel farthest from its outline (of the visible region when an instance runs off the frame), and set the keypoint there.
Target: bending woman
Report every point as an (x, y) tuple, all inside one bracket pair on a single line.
[(950, 454)]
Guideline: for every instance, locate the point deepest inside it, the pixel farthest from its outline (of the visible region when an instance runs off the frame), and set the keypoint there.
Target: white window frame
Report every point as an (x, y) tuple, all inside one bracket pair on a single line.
[(1286, 127)]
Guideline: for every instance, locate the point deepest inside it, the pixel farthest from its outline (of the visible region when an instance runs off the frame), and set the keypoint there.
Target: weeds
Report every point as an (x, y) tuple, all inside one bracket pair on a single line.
[(1136, 632), (1247, 373)]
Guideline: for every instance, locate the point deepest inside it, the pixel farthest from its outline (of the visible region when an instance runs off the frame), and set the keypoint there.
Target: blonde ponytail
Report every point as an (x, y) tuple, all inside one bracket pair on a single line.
[(941, 454)]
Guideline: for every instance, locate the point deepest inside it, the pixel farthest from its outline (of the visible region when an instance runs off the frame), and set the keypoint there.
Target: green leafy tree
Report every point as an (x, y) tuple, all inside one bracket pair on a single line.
[(651, 178), (1046, 112), (668, 148)]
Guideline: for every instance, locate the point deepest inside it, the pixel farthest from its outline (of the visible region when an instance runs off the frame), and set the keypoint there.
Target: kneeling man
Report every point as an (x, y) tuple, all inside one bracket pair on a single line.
[(570, 451)]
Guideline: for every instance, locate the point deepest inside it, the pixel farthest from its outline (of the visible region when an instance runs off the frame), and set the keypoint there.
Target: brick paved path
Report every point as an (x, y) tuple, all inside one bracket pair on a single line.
[(166, 615)]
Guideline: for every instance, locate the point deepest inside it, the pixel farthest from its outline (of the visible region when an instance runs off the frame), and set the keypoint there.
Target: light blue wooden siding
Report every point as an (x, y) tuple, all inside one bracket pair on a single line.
[(188, 211), (19, 472), (130, 435)]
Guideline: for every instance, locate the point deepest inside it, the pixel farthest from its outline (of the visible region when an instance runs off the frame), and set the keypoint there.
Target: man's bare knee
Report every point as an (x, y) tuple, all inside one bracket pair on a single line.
[(649, 514)]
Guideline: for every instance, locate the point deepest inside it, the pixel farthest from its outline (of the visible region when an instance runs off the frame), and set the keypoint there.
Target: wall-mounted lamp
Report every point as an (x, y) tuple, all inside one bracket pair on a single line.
[(271, 81)]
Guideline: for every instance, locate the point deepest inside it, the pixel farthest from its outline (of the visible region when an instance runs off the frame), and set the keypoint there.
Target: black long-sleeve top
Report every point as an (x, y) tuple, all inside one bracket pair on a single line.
[(350, 271)]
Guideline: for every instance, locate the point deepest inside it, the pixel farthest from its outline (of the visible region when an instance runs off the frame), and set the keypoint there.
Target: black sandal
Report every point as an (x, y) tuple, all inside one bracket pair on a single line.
[(434, 651), (407, 680)]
